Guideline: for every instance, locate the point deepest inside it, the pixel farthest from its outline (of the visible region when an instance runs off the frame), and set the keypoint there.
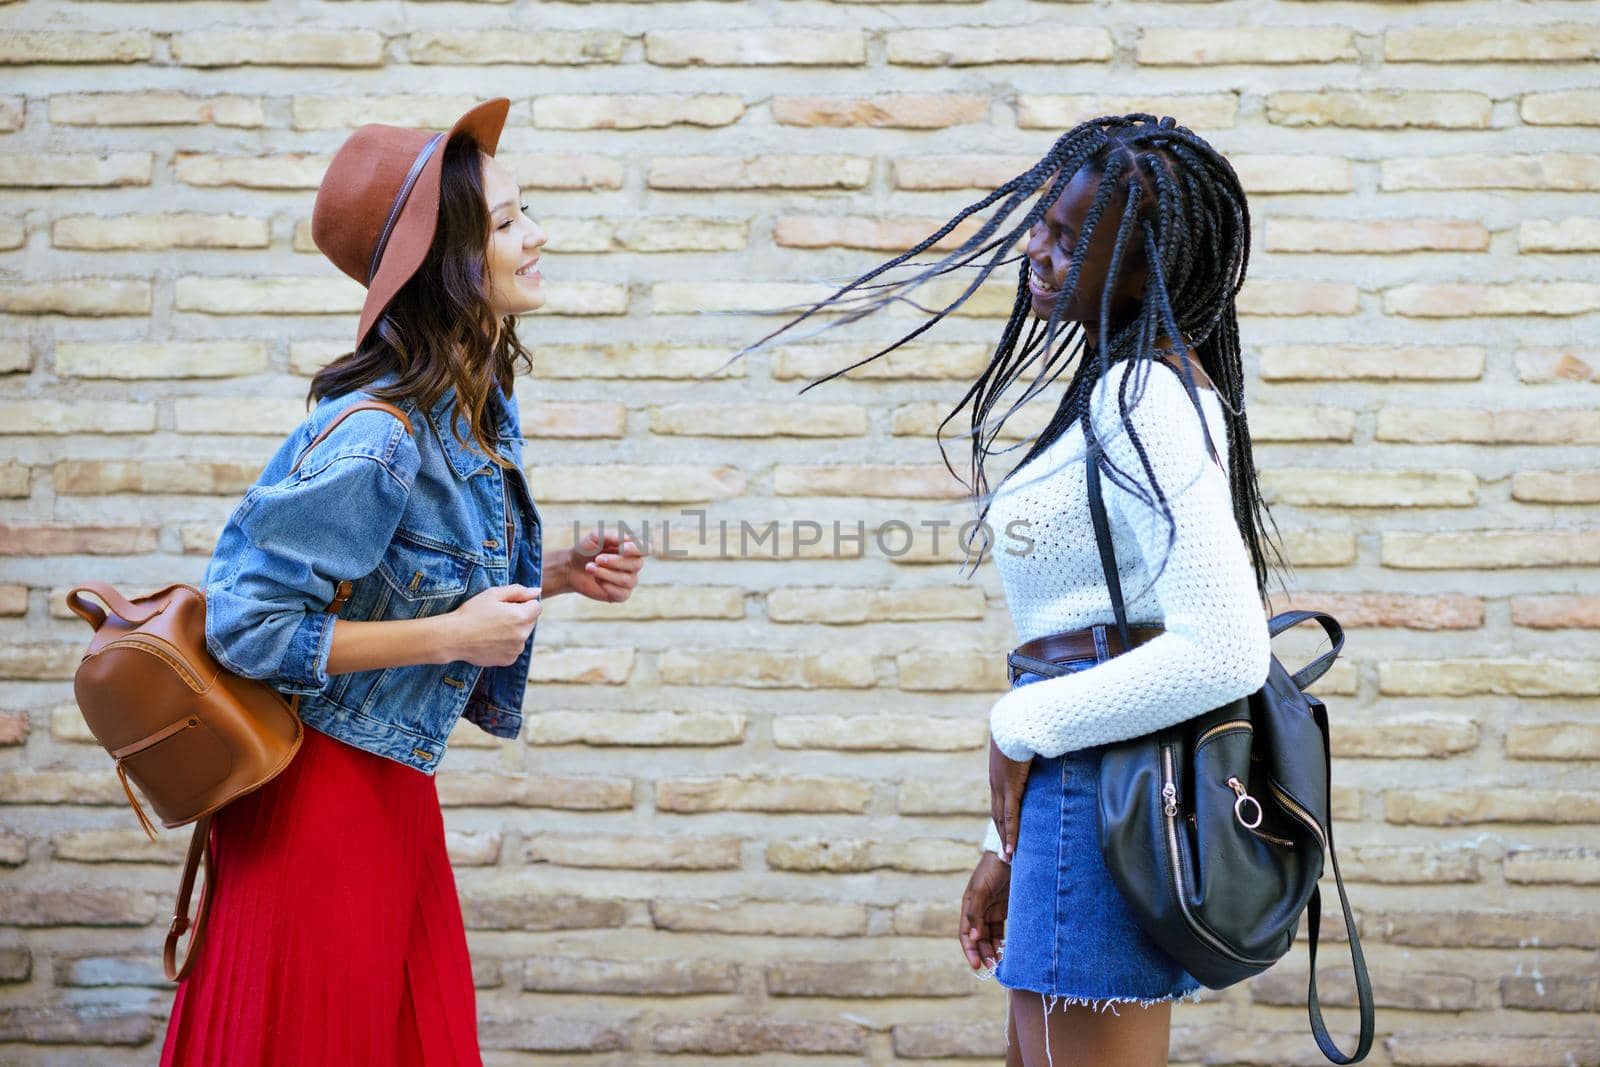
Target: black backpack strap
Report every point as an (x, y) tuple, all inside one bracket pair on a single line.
[(1319, 1030)]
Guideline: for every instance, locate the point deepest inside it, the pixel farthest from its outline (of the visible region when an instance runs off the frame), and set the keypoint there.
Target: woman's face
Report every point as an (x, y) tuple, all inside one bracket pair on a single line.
[(1050, 244), (513, 279)]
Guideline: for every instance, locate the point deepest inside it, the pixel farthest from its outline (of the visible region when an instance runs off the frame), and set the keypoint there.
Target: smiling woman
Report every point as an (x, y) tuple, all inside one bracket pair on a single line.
[(388, 569)]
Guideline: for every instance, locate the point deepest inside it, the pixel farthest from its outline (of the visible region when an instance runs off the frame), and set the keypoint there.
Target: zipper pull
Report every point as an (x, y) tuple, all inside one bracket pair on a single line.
[(1169, 793), (1238, 805)]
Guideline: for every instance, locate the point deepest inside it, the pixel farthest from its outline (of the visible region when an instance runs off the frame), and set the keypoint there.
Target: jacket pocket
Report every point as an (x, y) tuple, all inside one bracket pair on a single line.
[(422, 580)]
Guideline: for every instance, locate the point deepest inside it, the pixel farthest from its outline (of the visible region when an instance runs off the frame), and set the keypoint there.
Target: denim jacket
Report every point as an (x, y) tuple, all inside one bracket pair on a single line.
[(418, 523)]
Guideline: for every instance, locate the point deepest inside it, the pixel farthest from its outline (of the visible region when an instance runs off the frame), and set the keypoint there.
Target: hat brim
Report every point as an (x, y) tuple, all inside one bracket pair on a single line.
[(413, 231)]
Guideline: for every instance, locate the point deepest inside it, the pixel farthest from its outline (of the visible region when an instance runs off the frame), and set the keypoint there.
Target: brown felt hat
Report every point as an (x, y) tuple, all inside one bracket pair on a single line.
[(378, 204)]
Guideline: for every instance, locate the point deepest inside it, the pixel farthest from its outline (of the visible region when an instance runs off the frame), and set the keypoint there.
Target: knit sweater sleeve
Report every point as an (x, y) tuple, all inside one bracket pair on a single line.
[(1215, 646)]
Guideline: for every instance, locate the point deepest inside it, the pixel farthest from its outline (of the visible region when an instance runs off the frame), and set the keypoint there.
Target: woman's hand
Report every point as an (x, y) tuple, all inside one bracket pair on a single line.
[(1007, 779), (600, 566), (491, 629), (983, 910)]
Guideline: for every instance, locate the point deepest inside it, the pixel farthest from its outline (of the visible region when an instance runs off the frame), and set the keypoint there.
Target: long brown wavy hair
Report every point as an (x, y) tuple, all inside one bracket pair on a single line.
[(439, 329)]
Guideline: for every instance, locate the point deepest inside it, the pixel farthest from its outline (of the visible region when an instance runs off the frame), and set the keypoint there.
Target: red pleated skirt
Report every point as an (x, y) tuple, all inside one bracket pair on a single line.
[(335, 934)]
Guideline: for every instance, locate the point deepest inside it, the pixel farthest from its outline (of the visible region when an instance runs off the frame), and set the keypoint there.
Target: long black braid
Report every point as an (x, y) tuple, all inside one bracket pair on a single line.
[(1196, 249)]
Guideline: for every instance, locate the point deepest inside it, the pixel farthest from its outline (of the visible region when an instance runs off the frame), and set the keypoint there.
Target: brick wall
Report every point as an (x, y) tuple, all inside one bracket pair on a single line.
[(746, 802)]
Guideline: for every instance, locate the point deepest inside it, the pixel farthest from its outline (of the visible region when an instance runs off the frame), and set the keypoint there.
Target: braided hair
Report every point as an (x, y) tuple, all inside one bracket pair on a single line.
[(1195, 239)]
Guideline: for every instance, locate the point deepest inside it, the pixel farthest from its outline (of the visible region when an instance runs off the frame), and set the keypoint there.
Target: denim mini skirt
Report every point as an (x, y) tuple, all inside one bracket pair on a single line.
[(1069, 932)]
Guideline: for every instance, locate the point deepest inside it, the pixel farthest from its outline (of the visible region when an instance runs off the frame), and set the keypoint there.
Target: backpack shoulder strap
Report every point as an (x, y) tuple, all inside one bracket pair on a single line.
[(360, 405)]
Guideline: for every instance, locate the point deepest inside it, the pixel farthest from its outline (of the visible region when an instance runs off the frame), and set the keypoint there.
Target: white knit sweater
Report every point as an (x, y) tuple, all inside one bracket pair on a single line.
[(1215, 647)]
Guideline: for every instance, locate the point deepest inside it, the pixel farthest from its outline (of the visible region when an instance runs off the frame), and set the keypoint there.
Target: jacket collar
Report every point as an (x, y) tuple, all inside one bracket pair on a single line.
[(464, 459)]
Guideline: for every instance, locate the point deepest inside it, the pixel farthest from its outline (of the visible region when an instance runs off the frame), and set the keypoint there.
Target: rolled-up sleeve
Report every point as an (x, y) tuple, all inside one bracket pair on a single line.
[(283, 552)]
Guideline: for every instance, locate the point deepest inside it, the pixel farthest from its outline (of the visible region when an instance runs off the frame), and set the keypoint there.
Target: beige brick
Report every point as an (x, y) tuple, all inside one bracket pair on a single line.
[(952, 670), (924, 419), (1460, 299), (545, 48), (1447, 612), (909, 111), (1374, 362), (792, 793), (976, 46), (909, 362), (156, 108), (839, 855), (1481, 43), (1268, 297), (1293, 173), (922, 919), (1381, 236), (1547, 426), (682, 234), (1334, 488), (209, 477), (861, 231), (869, 480), (13, 233), (563, 171), (348, 110), (514, 903), (75, 46), (1380, 109), (674, 602), (982, 171), (48, 170), (891, 733), (1489, 548), (1283, 422), (1398, 739), (1556, 611), (87, 297), (119, 846), (759, 172), (786, 46), (574, 420), (1410, 865), (1556, 992), (965, 797), (472, 849), (729, 1035), (15, 358), (1484, 928), (1544, 866), (236, 415), (759, 669), (1409, 1050), (16, 480), (1485, 675), (55, 417), (781, 918), (1553, 741), (635, 362), (635, 728), (266, 295), (65, 539), (13, 727), (1194, 46), (598, 112), (759, 420), (869, 978), (535, 791), (919, 1041), (1436, 807), (1198, 111), (1574, 233), (637, 483), (1568, 107), (550, 1034), (134, 360), (650, 977), (12, 113), (634, 851), (1558, 363), (279, 48), (581, 666), (290, 171), (13, 595), (79, 907), (1560, 171), (1410, 990), (848, 606)]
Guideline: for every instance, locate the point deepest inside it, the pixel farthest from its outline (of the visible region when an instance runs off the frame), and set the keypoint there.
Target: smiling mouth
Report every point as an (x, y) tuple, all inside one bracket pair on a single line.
[(1037, 283)]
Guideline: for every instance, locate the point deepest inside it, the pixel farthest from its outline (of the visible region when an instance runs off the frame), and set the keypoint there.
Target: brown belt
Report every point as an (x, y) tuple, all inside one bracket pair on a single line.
[(1098, 642)]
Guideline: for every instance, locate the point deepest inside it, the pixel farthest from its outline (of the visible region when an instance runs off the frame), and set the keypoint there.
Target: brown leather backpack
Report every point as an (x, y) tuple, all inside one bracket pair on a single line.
[(191, 734)]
